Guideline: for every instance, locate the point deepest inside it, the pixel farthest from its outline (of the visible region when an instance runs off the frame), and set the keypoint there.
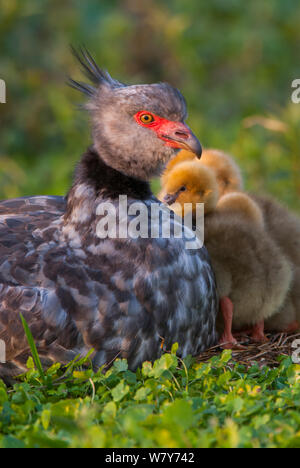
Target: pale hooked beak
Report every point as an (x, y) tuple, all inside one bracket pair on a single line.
[(179, 135)]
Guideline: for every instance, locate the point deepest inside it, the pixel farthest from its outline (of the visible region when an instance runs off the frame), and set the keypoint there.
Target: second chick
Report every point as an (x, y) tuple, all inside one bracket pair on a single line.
[(280, 224), (252, 274)]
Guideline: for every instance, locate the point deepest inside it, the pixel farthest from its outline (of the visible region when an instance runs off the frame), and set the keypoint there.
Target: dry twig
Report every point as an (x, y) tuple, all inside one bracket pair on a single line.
[(265, 354)]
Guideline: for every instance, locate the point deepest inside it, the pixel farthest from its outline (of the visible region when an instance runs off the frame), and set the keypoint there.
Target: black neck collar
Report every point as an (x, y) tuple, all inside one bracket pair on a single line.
[(94, 172)]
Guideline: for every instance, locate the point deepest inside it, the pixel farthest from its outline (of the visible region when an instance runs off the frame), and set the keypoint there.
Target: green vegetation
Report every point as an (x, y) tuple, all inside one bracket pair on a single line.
[(168, 404), (230, 60), (235, 63)]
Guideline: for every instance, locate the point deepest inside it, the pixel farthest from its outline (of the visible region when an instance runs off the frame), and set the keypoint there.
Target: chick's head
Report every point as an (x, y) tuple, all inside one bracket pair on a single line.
[(182, 156), (190, 182), (227, 172)]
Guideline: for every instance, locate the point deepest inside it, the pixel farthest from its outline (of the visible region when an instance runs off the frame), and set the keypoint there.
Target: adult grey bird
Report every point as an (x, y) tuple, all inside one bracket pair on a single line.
[(125, 297)]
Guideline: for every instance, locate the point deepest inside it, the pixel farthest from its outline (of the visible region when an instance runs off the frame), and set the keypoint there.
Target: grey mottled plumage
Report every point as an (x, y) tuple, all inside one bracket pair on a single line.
[(122, 297)]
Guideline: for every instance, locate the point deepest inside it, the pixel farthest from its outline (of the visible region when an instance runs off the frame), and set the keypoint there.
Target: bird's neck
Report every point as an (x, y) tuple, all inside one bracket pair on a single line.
[(95, 181)]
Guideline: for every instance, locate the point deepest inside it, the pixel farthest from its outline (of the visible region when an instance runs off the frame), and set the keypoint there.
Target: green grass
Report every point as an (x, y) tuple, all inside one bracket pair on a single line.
[(33, 348), (228, 72), (171, 403)]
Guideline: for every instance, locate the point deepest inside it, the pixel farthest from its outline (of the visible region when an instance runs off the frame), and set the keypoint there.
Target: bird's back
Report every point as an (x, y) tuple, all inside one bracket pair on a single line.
[(123, 297)]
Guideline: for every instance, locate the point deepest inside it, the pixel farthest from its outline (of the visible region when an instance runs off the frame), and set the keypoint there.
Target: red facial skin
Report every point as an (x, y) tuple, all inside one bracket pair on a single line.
[(165, 128)]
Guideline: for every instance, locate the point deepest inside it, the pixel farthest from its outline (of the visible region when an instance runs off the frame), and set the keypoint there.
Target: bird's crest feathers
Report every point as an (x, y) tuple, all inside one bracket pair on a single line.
[(91, 70)]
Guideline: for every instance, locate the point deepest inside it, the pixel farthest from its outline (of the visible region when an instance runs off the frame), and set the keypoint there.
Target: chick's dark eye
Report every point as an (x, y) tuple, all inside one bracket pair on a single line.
[(182, 189), (146, 118)]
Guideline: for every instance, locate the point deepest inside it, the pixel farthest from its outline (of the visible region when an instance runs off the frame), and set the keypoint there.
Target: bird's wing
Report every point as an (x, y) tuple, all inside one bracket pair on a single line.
[(41, 309), (177, 289), (31, 205), (180, 295), (19, 285), (20, 223)]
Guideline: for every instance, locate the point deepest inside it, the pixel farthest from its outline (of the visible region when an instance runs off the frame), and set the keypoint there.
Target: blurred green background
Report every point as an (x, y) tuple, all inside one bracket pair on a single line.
[(233, 61)]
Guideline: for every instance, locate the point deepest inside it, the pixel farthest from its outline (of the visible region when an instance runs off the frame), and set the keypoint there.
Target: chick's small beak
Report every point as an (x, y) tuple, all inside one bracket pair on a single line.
[(170, 198), (179, 135)]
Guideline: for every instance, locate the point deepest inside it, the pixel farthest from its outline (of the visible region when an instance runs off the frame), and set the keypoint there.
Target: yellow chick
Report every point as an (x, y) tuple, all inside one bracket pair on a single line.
[(182, 156), (253, 277), (227, 172), (188, 182), (281, 225)]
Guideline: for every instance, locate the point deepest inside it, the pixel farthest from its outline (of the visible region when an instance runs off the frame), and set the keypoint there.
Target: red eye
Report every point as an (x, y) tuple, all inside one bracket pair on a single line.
[(146, 118)]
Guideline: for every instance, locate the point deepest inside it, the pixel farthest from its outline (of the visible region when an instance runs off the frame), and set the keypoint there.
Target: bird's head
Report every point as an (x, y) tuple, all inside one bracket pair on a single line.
[(190, 182), (136, 129), (227, 172)]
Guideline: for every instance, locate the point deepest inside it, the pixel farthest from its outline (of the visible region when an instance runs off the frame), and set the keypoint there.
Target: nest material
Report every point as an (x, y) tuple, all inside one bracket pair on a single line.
[(263, 354)]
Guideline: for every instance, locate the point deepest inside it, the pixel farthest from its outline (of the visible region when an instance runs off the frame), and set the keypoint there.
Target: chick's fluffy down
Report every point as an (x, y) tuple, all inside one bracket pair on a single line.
[(250, 269)]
